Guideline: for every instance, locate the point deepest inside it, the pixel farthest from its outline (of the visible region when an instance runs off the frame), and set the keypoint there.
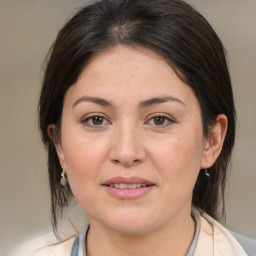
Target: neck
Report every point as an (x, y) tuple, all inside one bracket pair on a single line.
[(172, 238)]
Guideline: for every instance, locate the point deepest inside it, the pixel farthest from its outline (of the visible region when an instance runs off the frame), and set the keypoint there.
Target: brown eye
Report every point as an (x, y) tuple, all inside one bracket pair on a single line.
[(97, 120), (159, 120), (93, 121)]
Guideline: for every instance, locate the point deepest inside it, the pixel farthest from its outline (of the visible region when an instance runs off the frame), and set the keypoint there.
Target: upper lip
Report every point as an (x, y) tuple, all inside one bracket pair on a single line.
[(127, 180)]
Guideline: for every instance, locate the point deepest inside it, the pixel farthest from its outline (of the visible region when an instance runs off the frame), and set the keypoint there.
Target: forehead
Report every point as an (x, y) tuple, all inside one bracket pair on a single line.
[(124, 59), (129, 72)]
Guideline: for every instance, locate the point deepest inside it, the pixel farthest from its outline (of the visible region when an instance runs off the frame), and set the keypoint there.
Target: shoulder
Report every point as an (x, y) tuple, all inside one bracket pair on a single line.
[(248, 244), (48, 245), (224, 239)]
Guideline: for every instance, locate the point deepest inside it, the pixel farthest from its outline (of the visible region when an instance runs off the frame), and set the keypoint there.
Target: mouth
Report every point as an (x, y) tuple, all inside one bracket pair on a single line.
[(128, 188)]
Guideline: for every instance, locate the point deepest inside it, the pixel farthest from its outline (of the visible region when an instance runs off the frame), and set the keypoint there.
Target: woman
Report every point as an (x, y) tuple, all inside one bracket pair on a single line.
[(137, 114)]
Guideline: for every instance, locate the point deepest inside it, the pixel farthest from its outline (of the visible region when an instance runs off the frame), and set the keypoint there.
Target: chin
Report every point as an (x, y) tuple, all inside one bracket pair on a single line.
[(129, 221)]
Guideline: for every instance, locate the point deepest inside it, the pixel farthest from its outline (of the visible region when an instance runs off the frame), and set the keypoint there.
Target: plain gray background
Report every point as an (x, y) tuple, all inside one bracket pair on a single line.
[(27, 29)]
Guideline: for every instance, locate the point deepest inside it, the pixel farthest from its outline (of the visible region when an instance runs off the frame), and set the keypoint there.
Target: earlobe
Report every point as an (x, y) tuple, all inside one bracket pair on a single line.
[(56, 141), (214, 142)]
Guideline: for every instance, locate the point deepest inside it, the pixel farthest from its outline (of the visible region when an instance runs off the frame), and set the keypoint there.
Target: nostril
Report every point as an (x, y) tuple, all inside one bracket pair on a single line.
[(126, 163)]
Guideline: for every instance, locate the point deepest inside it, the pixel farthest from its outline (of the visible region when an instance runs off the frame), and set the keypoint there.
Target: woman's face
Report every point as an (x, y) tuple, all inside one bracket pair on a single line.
[(131, 141)]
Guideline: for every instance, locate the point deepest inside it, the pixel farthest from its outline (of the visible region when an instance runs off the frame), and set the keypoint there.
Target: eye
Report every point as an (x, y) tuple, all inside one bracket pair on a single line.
[(160, 120), (95, 120)]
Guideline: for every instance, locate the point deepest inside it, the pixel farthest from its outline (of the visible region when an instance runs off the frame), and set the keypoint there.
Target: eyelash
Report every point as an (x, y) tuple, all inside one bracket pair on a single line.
[(88, 121), (167, 120)]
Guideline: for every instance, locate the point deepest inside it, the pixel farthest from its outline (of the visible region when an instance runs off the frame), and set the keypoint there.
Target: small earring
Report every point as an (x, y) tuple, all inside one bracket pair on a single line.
[(63, 179), (207, 174)]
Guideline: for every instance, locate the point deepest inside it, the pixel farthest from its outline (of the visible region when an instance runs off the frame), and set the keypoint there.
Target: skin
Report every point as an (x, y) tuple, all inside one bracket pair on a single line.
[(161, 142)]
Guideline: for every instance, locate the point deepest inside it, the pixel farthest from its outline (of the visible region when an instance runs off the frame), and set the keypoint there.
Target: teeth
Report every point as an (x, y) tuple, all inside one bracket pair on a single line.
[(126, 186)]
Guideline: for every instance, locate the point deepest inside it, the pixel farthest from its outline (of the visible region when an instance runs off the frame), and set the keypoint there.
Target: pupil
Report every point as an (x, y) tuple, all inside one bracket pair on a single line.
[(159, 120), (97, 120)]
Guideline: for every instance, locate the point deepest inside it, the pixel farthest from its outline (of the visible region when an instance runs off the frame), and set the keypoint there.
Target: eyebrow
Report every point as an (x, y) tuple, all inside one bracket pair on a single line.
[(96, 100), (142, 104), (158, 100)]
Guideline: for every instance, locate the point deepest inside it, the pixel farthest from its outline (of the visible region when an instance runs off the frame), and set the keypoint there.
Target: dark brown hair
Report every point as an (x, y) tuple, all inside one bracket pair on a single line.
[(174, 30)]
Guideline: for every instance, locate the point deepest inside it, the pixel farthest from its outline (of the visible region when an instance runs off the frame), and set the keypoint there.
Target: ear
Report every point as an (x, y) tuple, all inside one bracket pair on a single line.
[(214, 142), (55, 137)]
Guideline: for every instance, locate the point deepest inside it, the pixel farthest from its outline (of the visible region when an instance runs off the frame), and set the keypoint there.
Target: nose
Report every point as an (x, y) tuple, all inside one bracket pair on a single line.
[(127, 146)]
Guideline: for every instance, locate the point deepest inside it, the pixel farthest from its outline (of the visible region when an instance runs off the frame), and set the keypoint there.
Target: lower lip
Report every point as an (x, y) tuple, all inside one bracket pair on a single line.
[(128, 194)]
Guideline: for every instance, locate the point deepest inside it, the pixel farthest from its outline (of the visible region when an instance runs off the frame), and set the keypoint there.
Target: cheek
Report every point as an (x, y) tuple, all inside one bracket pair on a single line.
[(178, 165), (178, 158), (82, 168), (80, 154)]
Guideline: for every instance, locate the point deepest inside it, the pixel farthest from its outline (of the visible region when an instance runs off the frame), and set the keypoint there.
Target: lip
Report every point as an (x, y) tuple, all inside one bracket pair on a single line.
[(131, 193), (127, 180)]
